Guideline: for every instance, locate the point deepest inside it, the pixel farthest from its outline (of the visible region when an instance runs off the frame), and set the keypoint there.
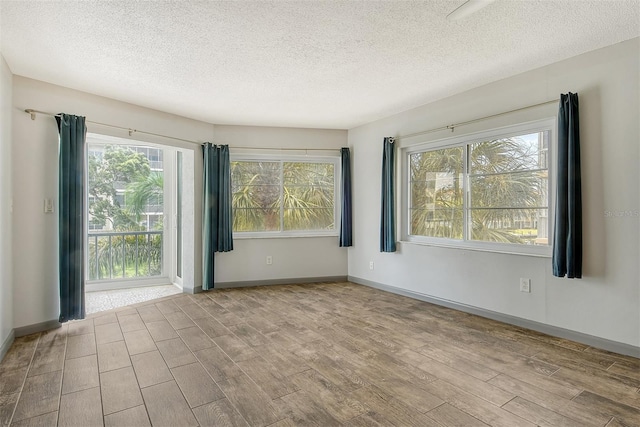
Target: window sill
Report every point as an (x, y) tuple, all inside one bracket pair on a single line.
[(525, 250)]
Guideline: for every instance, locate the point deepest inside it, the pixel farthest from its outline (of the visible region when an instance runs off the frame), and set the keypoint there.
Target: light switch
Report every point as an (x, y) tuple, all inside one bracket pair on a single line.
[(48, 206)]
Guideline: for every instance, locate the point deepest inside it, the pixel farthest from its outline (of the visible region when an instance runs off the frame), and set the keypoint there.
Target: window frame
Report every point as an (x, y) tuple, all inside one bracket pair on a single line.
[(287, 158), (464, 141)]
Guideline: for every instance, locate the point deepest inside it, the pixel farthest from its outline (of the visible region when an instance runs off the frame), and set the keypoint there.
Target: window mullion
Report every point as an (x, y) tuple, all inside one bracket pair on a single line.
[(466, 200), (281, 196)]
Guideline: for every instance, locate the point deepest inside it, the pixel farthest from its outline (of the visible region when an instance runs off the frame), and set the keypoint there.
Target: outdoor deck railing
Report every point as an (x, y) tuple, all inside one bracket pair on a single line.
[(124, 255)]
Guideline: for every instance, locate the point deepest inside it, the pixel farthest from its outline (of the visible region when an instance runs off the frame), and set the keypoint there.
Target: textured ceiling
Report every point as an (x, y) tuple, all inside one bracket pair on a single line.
[(324, 64)]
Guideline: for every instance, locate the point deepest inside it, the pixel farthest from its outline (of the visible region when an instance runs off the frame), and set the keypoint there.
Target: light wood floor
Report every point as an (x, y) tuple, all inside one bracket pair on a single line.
[(326, 354)]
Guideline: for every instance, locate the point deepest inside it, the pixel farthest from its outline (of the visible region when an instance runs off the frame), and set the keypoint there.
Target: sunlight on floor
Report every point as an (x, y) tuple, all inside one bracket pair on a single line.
[(106, 300)]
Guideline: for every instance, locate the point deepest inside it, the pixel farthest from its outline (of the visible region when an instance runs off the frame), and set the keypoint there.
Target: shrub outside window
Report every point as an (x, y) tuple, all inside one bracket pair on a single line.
[(487, 192), (284, 197)]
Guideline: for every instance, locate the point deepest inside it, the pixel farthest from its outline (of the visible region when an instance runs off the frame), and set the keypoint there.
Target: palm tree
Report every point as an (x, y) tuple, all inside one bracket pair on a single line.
[(305, 195), (308, 196), (436, 193), (256, 193), (142, 191)]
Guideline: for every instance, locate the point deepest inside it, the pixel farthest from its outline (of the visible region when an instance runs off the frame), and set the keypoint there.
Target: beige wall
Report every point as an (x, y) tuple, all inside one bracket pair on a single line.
[(6, 274), (606, 302)]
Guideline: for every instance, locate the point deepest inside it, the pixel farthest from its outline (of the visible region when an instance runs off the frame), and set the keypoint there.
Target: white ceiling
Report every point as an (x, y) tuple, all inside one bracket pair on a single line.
[(324, 64)]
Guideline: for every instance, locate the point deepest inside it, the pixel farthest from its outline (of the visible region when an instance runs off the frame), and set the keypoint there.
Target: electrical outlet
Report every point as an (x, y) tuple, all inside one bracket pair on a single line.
[(525, 285), (370, 265), (269, 260)]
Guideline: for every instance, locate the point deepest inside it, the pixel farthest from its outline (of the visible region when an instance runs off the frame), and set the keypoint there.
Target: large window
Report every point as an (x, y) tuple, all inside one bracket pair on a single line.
[(488, 191), (296, 196)]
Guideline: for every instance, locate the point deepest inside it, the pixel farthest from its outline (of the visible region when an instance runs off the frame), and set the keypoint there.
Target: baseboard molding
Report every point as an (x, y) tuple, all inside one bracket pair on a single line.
[(590, 340), (288, 281), (37, 327), (6, 345)]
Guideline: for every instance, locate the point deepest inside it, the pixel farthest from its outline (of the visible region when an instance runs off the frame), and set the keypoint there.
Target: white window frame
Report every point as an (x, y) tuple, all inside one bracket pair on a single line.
[(548, 124), (334, 160)]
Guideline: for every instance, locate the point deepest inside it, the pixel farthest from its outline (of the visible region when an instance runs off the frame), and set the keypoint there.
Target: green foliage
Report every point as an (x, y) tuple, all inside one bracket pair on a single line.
[(256, 196), (118, 167), (308, 196), (306, 202), (141, 191), (125, 256)]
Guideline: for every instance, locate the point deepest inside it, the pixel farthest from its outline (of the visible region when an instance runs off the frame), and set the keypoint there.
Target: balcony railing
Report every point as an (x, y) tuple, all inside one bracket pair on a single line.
[(124, 255)]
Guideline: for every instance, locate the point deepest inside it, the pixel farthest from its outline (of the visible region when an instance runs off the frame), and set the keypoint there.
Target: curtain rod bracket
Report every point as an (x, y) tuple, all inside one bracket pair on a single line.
[(452, 127), (31, 113)]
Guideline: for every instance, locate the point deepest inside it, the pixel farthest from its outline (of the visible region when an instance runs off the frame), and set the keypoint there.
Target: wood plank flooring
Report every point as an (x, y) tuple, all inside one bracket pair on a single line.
[(326, 354)]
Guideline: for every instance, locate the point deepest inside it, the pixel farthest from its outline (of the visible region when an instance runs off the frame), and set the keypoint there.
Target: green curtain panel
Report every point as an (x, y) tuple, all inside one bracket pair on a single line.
[(217, 218), (567, 238), (345, 206), (72, 146), (387, 216)]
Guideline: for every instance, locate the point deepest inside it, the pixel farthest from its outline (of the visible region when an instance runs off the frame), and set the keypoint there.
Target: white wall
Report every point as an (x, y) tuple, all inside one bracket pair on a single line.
[(6, 275), (605, 303), (293, 258), (35, 156)]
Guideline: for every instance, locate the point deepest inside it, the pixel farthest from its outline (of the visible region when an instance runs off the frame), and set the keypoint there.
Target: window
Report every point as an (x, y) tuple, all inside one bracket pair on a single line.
[(288, 197), (487, 191)]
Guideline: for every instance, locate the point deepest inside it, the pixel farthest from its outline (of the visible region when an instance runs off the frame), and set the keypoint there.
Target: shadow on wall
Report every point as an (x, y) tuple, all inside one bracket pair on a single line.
[(592, 147)]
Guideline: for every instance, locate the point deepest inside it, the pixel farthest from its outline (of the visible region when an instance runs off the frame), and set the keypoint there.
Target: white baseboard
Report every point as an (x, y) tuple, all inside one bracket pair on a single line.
[(590, 340)]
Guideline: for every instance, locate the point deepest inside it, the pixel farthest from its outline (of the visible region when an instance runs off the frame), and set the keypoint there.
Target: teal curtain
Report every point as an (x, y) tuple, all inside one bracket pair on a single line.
[(217, 219), (72, 146), (567, 237), (345, 205), (387, 216)]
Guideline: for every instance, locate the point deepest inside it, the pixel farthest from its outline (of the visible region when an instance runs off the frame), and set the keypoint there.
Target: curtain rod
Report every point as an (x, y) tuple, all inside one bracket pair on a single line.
[(131, 131), (468, 122)]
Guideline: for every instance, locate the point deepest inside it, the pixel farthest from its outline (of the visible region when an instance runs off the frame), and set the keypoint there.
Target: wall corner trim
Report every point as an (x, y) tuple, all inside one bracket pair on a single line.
[(6, 345), (590, 340)]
